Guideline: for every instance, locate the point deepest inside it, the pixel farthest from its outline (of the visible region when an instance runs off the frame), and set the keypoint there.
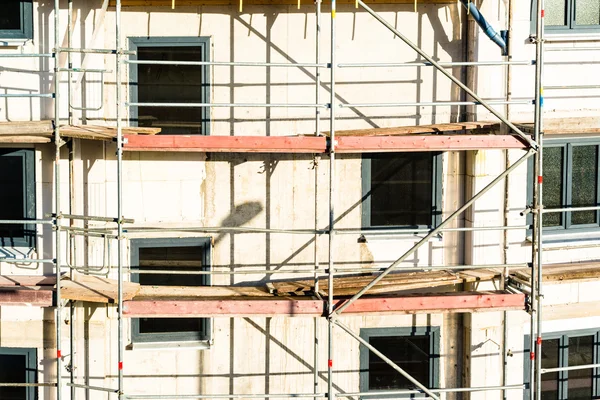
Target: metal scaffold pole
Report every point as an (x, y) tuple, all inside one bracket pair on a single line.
[(120, 341), (57, 216), (536, 287), (331, 266)]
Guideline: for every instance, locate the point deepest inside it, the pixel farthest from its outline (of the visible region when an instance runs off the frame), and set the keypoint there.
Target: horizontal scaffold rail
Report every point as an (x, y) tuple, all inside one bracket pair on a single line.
[(240, 307), (319, 144)]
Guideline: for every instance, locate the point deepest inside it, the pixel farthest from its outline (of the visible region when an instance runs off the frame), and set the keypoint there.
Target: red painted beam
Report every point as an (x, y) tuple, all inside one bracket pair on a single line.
[(229, 144), (26, 296), (452, 302), (372, 144), (229, 308)]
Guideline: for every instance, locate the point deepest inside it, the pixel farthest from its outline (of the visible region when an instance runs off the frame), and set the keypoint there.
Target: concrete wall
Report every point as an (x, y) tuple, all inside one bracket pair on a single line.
[(168, 190)]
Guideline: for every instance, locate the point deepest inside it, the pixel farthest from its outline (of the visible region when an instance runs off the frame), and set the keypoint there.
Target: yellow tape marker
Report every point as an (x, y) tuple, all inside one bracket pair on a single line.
[(172, 4), (332, 13), (415, 5), (356, 4), (298, 4), (241, 5)]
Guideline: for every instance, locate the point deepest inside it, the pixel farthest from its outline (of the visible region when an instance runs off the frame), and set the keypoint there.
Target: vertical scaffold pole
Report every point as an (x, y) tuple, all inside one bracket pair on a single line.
[(57, 143), (538, 199), (120, 342), (332, 109), (316, 165)]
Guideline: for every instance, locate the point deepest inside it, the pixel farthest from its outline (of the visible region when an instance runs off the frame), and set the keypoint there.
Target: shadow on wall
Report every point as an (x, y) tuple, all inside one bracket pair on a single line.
[(240, 215)]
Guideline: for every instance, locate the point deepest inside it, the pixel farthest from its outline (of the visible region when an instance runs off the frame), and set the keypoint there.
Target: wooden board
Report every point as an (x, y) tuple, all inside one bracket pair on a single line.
[(391, 283), (96, 289), (478, 275), (556, 273), (421, 129), (277, 306), (102, 132), (183, 292), (31, 296), (228, 144), (24, 139), (27, 128), (457, 142), (27, 280)]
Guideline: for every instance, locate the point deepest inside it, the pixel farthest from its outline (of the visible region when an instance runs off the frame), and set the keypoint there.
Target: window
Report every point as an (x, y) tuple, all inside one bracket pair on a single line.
[(170, 84), (190, 254), (16, 19), (415, 350), (401, 189), (570, 180), (569, 349), (570, 15), (17, 197), (18, 366)]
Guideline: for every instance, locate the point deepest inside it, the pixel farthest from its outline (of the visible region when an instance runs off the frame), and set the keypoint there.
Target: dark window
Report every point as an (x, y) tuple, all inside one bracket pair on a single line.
[(15, 19), (569, 349), (570, 180), (181, 255), (17, 198), (415, 350), (170, 83), (18, 366), (401, 189), (570, 15)]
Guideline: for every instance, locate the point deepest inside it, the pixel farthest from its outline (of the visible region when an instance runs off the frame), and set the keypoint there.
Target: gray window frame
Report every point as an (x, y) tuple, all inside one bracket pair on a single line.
[(434, 350), (26, 22), (30, 367), (436, 193), (570, 26), (134, 247), (567, 143), (173, 41), (29, 198), (563, 384)]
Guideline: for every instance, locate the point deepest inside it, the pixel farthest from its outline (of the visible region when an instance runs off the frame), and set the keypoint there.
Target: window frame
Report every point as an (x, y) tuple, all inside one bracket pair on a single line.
[(26, 22), (570, 27), (174, 41), (434, 350), (436, 193), (29, 197), (198, 336), (563, 377), (567, 143), (30, 367)]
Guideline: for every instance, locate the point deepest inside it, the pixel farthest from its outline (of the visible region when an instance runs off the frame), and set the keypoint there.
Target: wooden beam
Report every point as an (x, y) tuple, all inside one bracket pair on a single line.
[(97, 132), (471, 127), (27, 128), (95, 289), (376, 144), (26, 296), (27, 280), (238, 307), (24, 139), (229, 144), (569, 272)]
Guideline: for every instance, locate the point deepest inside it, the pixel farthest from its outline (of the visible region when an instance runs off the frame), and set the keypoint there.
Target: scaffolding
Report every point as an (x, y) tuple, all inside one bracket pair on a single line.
[(318, 144)]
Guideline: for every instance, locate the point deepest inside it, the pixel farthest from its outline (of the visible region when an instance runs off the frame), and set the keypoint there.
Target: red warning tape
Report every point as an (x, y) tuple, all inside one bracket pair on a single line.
[(120, 365), (330, 363), (543, 13), (58, 354), (532, 355), (540, 179), (539, 340)]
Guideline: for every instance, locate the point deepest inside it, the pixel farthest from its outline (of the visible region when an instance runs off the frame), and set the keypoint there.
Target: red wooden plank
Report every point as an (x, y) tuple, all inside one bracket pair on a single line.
[(27, 280), (366, 144), (26, 296), (215, 308), (235, 144), (461, 302)]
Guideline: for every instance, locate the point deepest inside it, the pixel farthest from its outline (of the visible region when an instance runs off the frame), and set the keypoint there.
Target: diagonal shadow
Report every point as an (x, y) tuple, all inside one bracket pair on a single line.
[(306, 72), (296, 357)]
